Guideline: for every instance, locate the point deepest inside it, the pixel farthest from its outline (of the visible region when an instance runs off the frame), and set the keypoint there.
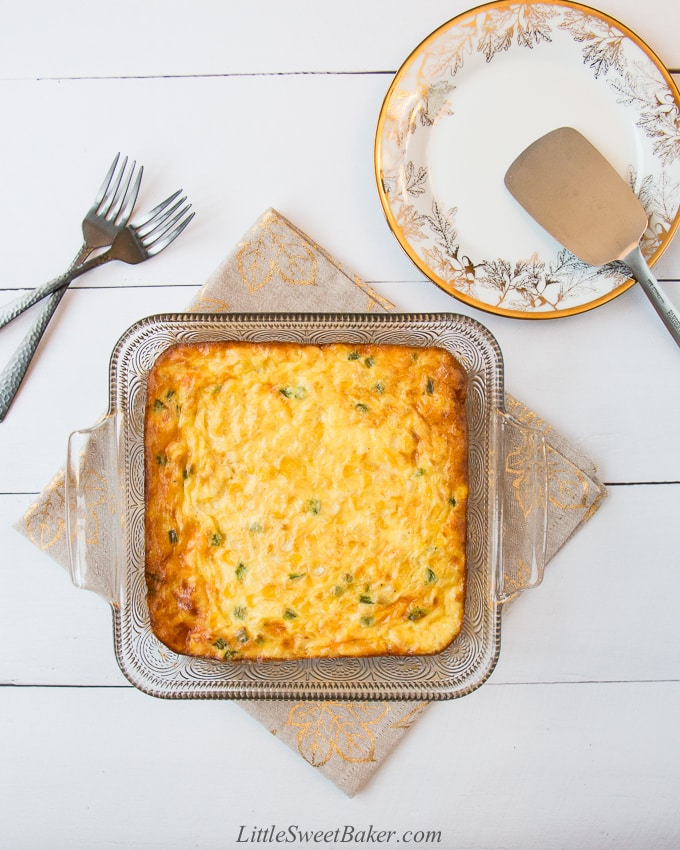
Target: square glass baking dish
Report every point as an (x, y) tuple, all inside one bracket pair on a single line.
[(507, 513)]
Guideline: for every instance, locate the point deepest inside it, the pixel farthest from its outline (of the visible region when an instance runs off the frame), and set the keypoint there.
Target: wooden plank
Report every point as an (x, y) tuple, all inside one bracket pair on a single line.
[(233, 144), (201, 37), (606, 610), (528, 767), (566, 370)]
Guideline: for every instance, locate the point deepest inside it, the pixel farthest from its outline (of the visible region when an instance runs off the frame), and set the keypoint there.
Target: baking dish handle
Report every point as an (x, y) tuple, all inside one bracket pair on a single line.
[(93, 509), (523, 509)]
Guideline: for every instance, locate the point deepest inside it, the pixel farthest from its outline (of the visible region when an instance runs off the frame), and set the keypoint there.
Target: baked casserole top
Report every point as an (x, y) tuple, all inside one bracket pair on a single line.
[(305, 501)]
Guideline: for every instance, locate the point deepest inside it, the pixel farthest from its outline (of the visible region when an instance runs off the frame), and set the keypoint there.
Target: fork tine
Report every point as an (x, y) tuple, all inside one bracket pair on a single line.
[(119, 197), (150, 216), (129, 199), (107, 200), (162, 242), (107, 180), (163, 227), (161, 216)]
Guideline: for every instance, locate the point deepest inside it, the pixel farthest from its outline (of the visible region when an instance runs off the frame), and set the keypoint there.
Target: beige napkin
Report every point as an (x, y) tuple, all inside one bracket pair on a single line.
[(277, 268)]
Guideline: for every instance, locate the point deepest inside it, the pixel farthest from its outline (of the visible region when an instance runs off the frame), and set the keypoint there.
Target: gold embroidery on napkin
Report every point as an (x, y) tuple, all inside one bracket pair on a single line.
[(597, 501), (44, 520), (94, 486), (517, 578), (276, 250), (374, 298), (336, 728), (211, 305), (410, 717), (525, 415), (568, 486), (520, 464)]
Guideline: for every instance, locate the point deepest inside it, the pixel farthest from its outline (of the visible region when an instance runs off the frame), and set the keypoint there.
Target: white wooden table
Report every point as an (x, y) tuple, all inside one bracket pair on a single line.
[(574, 742)]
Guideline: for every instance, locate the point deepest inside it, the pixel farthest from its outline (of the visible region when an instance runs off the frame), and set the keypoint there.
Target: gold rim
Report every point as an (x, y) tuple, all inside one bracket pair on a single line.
[(387, 210)]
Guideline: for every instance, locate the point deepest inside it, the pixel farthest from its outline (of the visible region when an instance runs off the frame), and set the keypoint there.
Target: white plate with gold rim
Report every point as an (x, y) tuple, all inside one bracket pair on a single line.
[(470, 98)]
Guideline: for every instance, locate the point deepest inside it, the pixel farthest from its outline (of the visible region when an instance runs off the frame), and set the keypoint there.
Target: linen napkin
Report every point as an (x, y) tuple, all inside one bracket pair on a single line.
[(278, 268)]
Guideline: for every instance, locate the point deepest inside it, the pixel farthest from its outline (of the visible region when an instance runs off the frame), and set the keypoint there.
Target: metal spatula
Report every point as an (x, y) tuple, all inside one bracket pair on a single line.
[(572, 191)]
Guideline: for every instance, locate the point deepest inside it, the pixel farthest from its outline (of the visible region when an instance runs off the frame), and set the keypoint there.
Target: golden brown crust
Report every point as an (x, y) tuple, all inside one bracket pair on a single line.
[(305, 501)]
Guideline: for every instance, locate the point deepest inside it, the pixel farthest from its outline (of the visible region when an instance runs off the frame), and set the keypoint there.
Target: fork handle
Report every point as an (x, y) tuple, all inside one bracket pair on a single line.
[(15, 308), (15, 370), (23, 302)]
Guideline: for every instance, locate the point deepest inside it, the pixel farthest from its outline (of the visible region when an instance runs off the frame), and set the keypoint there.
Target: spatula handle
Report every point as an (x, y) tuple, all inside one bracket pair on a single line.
[(670, 316)]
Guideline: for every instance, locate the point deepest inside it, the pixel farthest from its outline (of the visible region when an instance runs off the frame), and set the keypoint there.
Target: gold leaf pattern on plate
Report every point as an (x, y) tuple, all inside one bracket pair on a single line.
[(331, 728), (427, 89), (527, 25)]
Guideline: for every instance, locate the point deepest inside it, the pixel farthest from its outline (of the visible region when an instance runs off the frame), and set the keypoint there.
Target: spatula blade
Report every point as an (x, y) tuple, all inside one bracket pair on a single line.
[(575, 194)]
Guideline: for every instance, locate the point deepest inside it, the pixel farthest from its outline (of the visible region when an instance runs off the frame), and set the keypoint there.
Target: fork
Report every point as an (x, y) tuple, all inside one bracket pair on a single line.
[(111, 209), (110, 212), (133, 244), (59, 284)]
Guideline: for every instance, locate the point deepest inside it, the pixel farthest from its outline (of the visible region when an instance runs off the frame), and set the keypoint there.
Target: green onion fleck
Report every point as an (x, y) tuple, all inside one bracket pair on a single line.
[(369, 361), (220, 643), (216, 389), (349, 578), (172, 536), (241, 571), (240, 612), (158, 405), (242, 636), (354, 355), (379, 388), (416, 614), (215, 539), (288, 614), (255, 528), (367, 621), (430, 386), (338, 590), (430, 576), (361, 407), (161, 459), (169, 394), (313, 506), (419, 472), (453, 502), (295, 576), (366, 599), (293, 392)]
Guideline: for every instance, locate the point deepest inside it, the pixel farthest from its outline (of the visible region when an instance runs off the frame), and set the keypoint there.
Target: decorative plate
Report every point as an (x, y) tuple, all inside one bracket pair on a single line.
[(470, 98)]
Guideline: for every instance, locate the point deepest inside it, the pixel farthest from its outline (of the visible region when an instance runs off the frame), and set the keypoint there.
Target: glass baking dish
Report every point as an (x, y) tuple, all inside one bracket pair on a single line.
[(507, 512)]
